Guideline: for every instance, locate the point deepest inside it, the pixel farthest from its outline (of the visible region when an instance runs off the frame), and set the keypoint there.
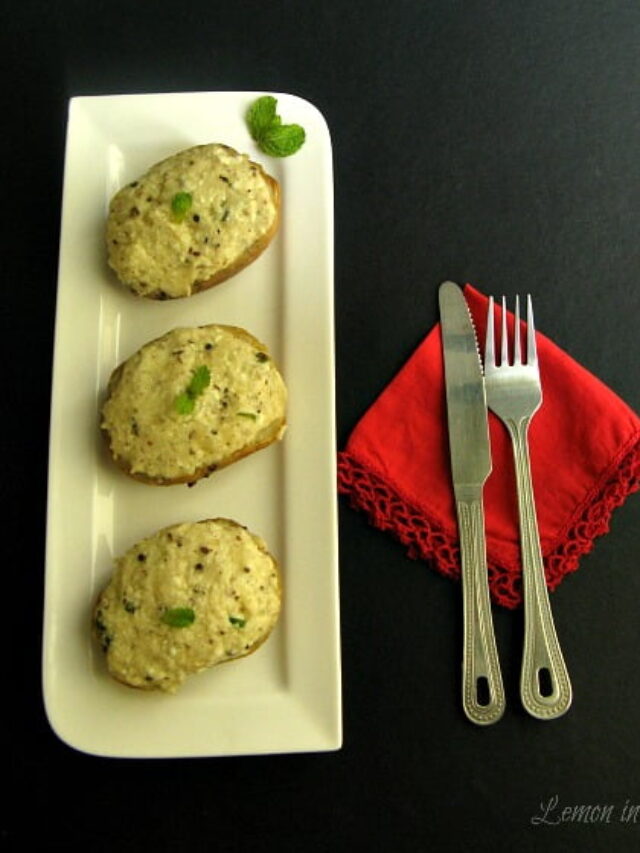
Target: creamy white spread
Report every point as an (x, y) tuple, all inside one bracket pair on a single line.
[(157, 252), (242, 406), (216, 575)]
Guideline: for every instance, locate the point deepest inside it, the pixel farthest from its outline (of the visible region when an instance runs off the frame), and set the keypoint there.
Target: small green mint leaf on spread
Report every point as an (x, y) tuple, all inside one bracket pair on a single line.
[(180, 204), (199, 381), (185, 402), (251, 415), (237, 622), (273, 137), (261, 115), (283, 140), (179, 617)]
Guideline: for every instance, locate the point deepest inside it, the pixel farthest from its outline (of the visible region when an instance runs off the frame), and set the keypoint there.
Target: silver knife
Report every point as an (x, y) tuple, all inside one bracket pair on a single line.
[(482, 689)]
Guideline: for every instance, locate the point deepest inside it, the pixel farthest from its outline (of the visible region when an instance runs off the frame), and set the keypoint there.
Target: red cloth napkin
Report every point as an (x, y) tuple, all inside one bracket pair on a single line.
[(585, 461)]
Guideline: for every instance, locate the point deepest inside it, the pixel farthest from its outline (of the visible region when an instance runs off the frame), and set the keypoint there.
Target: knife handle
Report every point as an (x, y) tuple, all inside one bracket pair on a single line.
[(541, 653), (483, 697)]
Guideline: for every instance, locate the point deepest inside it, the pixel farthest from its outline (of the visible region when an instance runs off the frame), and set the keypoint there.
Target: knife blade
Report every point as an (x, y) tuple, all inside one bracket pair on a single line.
[(483, 697)]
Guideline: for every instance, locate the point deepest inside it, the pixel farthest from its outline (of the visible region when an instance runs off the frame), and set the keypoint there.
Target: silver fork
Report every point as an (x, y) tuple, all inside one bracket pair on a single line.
[(514, 393)]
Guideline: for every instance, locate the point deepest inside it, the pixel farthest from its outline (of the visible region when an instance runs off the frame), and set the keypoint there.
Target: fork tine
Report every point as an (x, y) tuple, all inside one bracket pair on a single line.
[(489, 354), (504, 354), (532, 355), (517, 351)]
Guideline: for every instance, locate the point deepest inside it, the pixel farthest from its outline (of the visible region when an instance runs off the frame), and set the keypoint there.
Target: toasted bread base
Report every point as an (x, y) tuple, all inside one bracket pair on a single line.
[(136, 222), (156, 686), (274, 433)]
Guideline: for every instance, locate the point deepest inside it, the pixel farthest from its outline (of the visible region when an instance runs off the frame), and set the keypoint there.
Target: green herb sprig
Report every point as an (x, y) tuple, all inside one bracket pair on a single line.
[(273, 137), (186, 401)]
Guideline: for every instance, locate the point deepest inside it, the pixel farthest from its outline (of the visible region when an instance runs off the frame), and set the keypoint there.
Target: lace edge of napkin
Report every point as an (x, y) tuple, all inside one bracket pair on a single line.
[(389, 511)]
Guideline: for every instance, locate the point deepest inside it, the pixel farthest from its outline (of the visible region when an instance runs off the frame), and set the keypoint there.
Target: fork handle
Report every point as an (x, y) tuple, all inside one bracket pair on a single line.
[(480, 665), (541, 647)]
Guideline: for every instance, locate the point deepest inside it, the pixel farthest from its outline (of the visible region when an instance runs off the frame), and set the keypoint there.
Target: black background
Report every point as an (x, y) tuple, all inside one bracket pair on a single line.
[(492, 142)]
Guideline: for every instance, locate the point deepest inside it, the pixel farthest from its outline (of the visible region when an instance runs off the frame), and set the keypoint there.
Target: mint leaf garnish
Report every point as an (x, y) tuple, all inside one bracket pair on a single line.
[(261, 115), (180, 204), (185, 402), (179, 617), (273, 137), (283, 140), (199, 381), (237, 622)]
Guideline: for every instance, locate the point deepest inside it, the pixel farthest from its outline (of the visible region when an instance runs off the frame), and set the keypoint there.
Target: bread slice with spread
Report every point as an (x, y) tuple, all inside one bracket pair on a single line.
[(185, 599), (191, 221), (191, 402)]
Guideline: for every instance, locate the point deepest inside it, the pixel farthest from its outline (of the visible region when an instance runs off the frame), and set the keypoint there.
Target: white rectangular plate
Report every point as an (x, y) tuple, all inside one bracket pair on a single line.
[(286, 697)]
